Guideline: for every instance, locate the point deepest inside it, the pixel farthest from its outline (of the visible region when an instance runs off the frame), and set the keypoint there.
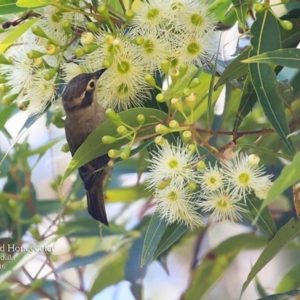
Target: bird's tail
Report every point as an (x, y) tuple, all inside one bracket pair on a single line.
[(95, 202)]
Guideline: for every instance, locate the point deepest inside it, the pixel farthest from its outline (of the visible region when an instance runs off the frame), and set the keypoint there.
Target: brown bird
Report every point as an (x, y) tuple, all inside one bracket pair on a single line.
[(83, 115)]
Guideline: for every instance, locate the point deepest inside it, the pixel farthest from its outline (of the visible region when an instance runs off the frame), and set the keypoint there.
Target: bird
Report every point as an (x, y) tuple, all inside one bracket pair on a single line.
[(83, 115)]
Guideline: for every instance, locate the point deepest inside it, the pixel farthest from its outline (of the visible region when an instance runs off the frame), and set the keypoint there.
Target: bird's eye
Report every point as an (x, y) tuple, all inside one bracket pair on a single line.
[(90, 85)]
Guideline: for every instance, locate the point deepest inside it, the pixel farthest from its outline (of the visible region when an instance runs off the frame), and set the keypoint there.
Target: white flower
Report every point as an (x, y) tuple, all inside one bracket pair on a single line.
[(242, 176), (261, 191), (224, 205), (175, 204), (211, 178), (173, 162)]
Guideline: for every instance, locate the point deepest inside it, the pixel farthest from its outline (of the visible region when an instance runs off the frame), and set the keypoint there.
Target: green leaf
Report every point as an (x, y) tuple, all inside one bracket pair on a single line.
[(248, 101), (290, 280), (216, 262), (235, 70), (45, 207), (283, 296), (33, 3), (9, 7), (79, 261), (93, 146), (285, 235), (15, 34), (153, 236), (265, 37), (283, 57), (264, 221), (5, 114), (112, 272), (288, 177), (172, 233)]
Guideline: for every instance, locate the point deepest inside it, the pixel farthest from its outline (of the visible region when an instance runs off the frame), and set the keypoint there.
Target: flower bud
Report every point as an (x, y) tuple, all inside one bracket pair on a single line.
[(160, 140), (122, 130), (165, 66), (38, 62), (177, 103), (164, 183), (4, 60), (113, 153), (201, 165), (92, 26), (174, 124), (35, 233), (87, 38), (186, 136), (186, 92), (192, 186), (89, 48), (253, 159), (287, 25), (125, 153), (129, 14), (192, 148), (8, 99), (160, 98), (161, 129), (37, 30), (65, 148), (107, 139), (79, 52), (150, 80), (103, 11), (139, 40), (258, 7), (111, 114), (106, 63), (182, 70), (34, 54), (36, 219), (190, 101), (3, 88), (66, 25), (50, 73), (109, 39), (194, 83), (141, 119)]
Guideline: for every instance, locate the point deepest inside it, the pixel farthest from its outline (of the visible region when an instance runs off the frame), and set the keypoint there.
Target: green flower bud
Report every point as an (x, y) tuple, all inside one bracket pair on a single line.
[(50, 73), (182, 70), (66, 25), (109, 39), (122, 130), (174, 124), (177, 103), (108, 61), (125, 153), (89, 48), (103, 11), (150, 80), (4, 60), (113, 153), (164, 183), (92, 26), (129, 14), (258, 7), (9, 99), (38, 62), (192, 148), (111, 114), (201, 165), (160, 98), (192, 186), (160, 140), (61, 228), (107, 139), (287, 25), (35, 233), (161, 129), (186, 92), (194, 83), (65, 148), (190, 101), (34, 54), (174, 75), (25, 193), (186, 136), (3, 88), (23, 105), (59, 122), (37, 30), (139, 40), (165, 66), (79, 52), (12, 203), (140, 119)]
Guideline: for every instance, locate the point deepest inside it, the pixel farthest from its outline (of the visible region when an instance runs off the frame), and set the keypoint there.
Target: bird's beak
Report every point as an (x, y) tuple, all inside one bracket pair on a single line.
[(99, 73)]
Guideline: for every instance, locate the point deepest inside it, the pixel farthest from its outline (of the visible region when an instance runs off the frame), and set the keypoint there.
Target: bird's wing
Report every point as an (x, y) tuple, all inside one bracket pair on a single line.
[(89, 173)]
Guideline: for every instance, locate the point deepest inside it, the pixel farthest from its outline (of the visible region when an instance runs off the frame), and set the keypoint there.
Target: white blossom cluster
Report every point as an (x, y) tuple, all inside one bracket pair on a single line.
[(181, 32), (183, 191)]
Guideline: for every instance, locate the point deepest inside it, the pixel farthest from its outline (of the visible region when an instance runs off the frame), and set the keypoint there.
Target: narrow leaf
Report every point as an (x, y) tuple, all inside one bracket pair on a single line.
[(33, 3), (265, 37), (283, 57), (288, 177), (285, 235)]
